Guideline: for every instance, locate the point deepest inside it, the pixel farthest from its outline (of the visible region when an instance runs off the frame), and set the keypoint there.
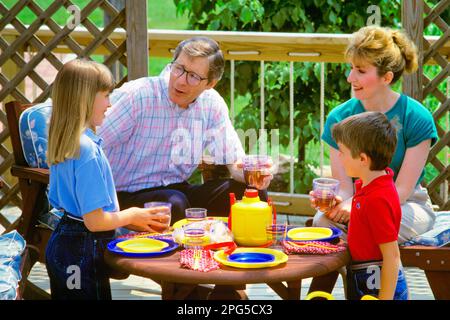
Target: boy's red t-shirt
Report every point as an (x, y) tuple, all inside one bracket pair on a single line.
[(375, 217)]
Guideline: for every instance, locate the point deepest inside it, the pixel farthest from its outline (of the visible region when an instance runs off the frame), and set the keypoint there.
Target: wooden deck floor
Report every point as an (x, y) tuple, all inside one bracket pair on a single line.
[(138, 288)]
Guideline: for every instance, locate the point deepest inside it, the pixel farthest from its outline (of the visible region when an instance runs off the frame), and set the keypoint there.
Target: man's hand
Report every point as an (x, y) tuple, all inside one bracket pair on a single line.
[(267, 174)]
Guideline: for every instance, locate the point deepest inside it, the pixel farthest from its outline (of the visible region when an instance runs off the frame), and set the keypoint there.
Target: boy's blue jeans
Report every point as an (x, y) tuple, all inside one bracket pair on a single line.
[(75, 264), (361, 280)]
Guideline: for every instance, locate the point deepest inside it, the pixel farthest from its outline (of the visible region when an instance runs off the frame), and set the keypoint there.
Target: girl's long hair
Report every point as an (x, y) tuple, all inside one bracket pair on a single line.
[(73, 95)]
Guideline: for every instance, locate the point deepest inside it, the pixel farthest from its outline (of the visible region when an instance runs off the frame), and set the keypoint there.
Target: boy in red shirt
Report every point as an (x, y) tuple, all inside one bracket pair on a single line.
[(367, 143)]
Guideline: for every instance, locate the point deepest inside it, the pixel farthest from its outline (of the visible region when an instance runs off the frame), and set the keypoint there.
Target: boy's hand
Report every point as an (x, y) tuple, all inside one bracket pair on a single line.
[(312, 200), (340, 213)]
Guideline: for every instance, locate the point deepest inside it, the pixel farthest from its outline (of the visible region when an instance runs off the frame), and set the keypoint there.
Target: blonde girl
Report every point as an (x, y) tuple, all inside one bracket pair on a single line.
[(81, 185)]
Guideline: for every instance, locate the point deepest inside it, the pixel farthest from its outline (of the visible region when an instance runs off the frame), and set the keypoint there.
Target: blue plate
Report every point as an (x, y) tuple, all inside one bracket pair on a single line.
[(112, 246), (336, 234), (251, 257)]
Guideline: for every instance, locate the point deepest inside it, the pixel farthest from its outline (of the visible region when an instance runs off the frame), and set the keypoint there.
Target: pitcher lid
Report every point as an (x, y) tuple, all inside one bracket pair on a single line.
[(251, 193)]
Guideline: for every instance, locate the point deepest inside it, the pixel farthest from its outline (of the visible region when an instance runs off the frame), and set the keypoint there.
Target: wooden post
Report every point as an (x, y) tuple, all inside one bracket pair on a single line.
[(412, 21), (116, 68), (9, 70), (137, 39)]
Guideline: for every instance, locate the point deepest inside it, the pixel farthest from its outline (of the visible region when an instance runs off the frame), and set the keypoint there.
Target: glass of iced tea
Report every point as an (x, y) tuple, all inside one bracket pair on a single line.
[(165, 216), (324, 192), (256, 170)]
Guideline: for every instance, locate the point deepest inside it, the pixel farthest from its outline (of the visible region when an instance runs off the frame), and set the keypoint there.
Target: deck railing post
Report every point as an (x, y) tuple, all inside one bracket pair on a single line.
[(412, 21), (137, 39), (117, 68)]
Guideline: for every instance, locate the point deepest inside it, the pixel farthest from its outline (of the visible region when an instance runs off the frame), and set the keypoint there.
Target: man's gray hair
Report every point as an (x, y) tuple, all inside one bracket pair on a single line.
[(204, 47)]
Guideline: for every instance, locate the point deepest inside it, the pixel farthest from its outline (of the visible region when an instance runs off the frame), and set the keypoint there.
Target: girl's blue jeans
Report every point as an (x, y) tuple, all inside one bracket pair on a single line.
[(75, 264), (364, 280)]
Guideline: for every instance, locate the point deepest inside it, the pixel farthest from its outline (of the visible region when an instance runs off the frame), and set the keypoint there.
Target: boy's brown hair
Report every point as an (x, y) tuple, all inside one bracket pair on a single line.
[(370, 133)]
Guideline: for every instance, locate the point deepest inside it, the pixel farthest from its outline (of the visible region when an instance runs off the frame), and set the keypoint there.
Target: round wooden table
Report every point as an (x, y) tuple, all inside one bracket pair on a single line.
[(180, 283)]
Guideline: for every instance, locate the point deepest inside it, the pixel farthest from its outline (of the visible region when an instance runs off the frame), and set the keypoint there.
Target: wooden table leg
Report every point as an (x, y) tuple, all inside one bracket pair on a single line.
[(294, 290), (179, 291), (176, 291), (289, 292), (439, 282), (227, 292), (325, 282)]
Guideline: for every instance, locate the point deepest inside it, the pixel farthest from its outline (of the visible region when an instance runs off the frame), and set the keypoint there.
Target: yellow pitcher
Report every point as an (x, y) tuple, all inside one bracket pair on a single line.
[(249, 218)]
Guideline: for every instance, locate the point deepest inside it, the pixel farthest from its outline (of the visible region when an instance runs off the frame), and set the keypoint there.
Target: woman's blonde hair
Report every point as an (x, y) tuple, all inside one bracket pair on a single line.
[(385, 48), (73, 95)]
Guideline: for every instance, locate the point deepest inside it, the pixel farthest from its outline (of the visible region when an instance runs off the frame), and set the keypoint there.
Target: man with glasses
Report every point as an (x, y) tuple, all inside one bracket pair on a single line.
[(158, 128)]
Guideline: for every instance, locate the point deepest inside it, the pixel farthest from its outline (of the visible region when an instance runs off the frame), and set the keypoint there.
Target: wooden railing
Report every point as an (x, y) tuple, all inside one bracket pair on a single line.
[(254, 46)]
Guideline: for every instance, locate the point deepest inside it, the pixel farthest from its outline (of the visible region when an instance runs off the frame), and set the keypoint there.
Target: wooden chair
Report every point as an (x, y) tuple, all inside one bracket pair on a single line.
[(33, 184)]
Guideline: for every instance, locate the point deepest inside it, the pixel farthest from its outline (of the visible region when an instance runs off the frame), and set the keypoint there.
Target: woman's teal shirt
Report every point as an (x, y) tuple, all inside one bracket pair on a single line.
[(415, 122)]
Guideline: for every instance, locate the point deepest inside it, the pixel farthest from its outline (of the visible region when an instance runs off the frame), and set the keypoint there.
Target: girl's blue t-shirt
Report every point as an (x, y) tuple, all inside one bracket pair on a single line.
[(415, 124), (82, 185)]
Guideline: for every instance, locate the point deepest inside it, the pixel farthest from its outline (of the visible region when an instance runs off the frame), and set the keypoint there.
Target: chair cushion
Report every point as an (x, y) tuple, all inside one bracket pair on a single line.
[(12, 245), (438, 236), (33, 128)]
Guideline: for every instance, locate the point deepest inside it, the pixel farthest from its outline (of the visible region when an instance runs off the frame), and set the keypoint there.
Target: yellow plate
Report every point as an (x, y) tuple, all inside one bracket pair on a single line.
[(142, 245), (309, 233), (182, 222), (280, 257)]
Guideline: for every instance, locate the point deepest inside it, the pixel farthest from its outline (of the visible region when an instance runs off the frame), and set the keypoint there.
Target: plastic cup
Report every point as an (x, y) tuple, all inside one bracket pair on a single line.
[(194, 236), (161, 213), (324, 192), (195, 214), (275, 234), (256, 170)]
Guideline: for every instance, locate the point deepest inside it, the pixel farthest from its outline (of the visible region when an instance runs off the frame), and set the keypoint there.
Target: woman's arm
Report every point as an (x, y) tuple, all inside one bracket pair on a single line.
[(389, 270), (411, 169), (140, 218)]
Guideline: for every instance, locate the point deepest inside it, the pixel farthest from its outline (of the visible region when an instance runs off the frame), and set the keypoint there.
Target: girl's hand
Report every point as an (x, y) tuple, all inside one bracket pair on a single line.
[(340, 213), (150, 219)]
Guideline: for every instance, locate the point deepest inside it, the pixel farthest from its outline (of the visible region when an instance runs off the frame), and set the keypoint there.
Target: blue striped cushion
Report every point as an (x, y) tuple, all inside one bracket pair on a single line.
[(33, 128), (438, 236)]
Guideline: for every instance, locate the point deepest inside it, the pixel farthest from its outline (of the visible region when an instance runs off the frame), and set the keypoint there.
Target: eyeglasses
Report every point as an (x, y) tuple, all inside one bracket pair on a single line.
[(192, 78)]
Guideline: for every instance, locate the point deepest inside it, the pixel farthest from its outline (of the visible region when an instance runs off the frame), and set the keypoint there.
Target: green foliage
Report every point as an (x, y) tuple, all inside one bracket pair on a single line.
[(307, 16)]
